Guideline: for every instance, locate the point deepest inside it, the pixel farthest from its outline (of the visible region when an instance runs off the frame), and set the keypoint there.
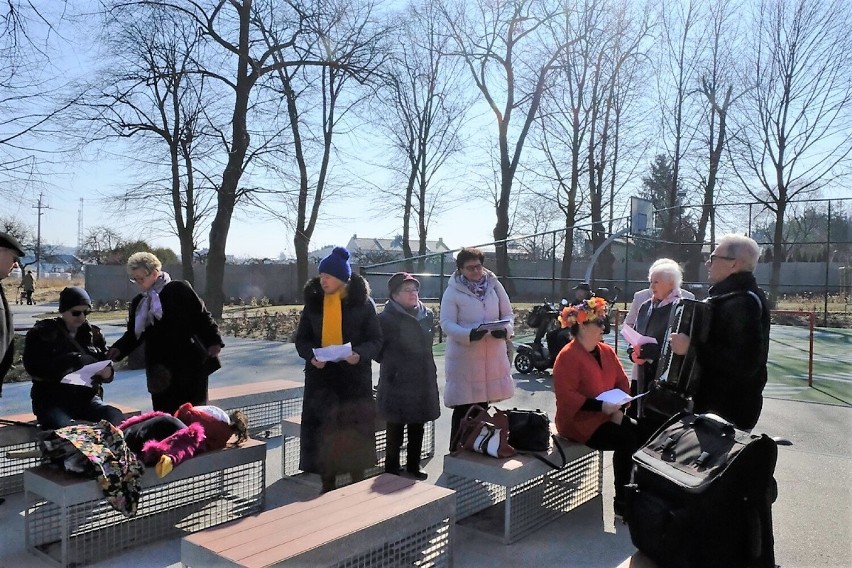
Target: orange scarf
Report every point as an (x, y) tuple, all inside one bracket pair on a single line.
[(332, 319)]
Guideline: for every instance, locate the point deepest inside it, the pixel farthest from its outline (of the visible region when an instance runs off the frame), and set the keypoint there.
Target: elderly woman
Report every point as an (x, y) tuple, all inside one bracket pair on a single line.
[(55, 348), (338, 412), (181, 338), (407, 394), (584, 369), (652, 320), (477, 364)]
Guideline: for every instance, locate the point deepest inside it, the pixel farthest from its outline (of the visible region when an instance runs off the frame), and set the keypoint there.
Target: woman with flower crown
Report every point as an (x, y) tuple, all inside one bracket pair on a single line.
[(584, 369)]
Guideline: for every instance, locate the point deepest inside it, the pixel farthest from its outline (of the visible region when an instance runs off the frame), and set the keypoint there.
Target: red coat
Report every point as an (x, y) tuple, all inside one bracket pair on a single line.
[(577, 377)]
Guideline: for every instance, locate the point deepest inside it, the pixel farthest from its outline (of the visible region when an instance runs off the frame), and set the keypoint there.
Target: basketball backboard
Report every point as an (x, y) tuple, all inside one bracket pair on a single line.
[(641, 216)]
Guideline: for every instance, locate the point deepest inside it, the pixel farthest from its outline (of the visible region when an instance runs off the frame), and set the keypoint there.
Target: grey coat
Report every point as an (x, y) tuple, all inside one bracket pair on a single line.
[(408, 378)]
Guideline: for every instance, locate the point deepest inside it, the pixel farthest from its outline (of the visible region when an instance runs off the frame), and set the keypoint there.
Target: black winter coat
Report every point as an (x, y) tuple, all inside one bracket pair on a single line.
[(169, 349), (408, 378), (49, 355), (733, 358), (338, 411), (7, 339), (653, 324)]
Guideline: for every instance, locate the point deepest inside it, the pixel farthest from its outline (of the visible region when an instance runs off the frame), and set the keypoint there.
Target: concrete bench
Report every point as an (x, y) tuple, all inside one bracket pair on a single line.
[(508, 498), (69, 522), (291, 431), (265, 403), (21, 438), (383, 521)]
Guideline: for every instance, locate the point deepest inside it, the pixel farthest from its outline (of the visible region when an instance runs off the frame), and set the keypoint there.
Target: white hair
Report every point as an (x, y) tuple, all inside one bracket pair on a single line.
[(145, 260), (742, 248), (668, 269)]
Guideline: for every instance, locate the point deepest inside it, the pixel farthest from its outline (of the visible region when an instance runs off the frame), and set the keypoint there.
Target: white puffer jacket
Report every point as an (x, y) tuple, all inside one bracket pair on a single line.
[(477, 371)]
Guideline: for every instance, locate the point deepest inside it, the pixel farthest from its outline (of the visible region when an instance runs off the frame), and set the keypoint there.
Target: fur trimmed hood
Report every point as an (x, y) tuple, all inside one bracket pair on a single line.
[(357, 292)]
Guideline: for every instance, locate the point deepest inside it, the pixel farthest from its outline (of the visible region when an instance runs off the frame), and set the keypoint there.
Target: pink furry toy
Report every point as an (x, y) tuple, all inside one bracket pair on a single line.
[(165, 441)]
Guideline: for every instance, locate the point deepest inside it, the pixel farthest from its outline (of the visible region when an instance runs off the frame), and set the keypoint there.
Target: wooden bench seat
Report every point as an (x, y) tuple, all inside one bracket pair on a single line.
[(21, 438), (291, 431), (508, 498), (69, 522), (265, 403), (383, 521)]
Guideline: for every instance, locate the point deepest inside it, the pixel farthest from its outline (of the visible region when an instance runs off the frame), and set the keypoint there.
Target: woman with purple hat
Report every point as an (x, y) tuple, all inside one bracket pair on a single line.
[(338, 412), (407, 394), (55, 349)]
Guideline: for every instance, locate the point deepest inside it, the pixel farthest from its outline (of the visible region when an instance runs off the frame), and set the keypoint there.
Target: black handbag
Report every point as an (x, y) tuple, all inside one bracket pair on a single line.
[(529, 430)]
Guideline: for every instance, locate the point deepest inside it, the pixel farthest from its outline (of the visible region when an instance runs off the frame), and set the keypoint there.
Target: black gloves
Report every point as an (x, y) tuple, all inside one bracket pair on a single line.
[(477, 334), (650, 351), (498, 333)]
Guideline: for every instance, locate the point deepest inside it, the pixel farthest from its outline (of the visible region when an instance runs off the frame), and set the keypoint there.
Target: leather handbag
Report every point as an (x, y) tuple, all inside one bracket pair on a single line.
[(484, 433), (529, 430)]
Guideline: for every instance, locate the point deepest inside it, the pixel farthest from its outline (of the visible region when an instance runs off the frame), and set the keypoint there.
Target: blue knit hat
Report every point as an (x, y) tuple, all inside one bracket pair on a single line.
[(337, 264)]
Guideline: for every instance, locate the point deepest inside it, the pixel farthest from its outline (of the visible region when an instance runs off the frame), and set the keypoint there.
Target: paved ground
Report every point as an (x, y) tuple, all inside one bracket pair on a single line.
[(813, 514)]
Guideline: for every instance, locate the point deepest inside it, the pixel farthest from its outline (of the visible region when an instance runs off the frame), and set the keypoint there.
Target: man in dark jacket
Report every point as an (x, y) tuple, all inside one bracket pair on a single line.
[(732, 360), (10, 252)]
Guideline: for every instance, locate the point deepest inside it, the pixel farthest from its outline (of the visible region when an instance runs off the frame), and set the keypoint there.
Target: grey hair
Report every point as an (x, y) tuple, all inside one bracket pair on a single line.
[(143, 260), (668, 268), (742, 248)]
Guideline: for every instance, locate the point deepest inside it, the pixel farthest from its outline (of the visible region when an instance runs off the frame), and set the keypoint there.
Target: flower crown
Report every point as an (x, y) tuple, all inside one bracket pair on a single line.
[(593, 309)]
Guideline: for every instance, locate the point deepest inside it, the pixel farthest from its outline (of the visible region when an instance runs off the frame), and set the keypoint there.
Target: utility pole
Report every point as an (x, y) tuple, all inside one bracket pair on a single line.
[(40, 205), (80, 228)]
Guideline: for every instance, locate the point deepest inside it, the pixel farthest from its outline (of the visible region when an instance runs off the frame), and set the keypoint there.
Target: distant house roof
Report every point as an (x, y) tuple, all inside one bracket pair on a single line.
[(371, 249)]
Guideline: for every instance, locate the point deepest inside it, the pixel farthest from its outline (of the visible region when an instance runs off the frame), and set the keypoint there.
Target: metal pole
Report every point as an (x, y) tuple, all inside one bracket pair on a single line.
[(553, 266), (827, 265)]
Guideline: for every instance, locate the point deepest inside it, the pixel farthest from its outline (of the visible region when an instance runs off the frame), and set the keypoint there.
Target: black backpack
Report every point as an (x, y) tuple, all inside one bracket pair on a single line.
[(702, 495)]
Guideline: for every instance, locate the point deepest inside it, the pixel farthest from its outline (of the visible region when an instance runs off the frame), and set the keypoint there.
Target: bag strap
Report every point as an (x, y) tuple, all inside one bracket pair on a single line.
[(457, 439), (546, 461)]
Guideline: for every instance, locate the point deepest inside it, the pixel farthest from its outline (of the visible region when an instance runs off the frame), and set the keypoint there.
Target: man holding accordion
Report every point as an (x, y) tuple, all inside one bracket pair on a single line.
[(732, 352)]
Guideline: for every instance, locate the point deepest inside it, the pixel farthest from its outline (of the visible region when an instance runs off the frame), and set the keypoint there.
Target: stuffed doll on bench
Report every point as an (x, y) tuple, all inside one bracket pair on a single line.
[(164, 441)]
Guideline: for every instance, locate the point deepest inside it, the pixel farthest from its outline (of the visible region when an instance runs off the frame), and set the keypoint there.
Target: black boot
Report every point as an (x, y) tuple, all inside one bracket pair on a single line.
[(415, 445), (394, 445), (329, 483)]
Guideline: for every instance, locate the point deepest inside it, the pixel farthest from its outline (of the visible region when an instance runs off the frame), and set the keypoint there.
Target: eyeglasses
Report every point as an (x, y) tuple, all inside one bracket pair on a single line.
[(412, 290), (714, 257), (78, 313), (472, 267), (599, 323), (140, 279)]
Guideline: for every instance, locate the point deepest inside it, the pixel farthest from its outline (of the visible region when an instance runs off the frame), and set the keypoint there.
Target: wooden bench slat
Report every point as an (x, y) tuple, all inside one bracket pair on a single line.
[(277, 520), (351, 520)]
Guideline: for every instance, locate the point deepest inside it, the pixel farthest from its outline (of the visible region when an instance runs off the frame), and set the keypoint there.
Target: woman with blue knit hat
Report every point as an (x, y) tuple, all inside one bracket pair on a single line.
[(57, 347), (338, 412)]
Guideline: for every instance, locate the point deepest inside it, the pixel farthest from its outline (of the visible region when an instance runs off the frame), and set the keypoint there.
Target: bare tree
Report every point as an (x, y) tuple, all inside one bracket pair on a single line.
[(717, 82), (583, 116), (346, 37), (510, 49), (150, 91), (421, 112), (794, 133), (31, 92)]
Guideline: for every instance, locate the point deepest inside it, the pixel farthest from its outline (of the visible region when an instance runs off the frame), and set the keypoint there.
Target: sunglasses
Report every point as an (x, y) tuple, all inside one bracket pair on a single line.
[(78, 313)]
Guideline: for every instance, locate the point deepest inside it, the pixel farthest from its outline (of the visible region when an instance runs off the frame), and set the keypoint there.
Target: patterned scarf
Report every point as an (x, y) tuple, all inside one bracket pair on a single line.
[(150, 308), (478, 287)]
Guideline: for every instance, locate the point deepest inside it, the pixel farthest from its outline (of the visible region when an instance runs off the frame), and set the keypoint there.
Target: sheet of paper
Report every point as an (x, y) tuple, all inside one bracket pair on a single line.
[(333, 353), (617, 396), (83, 375), (492, 325), (635, 338)]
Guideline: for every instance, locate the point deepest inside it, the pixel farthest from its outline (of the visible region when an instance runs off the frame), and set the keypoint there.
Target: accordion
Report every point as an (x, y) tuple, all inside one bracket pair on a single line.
[(677, 376)]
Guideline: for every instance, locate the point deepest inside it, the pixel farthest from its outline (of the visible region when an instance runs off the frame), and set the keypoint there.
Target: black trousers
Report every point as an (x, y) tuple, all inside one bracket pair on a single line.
[(623, 440), (414, 448)]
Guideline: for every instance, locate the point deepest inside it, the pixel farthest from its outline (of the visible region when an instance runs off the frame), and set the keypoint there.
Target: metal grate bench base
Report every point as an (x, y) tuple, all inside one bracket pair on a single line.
[(265, 403), (290, 447), (509, 503), (68, 521)]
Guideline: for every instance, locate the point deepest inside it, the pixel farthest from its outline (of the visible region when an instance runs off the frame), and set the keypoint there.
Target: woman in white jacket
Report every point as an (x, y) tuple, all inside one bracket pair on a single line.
[(477, 363)]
